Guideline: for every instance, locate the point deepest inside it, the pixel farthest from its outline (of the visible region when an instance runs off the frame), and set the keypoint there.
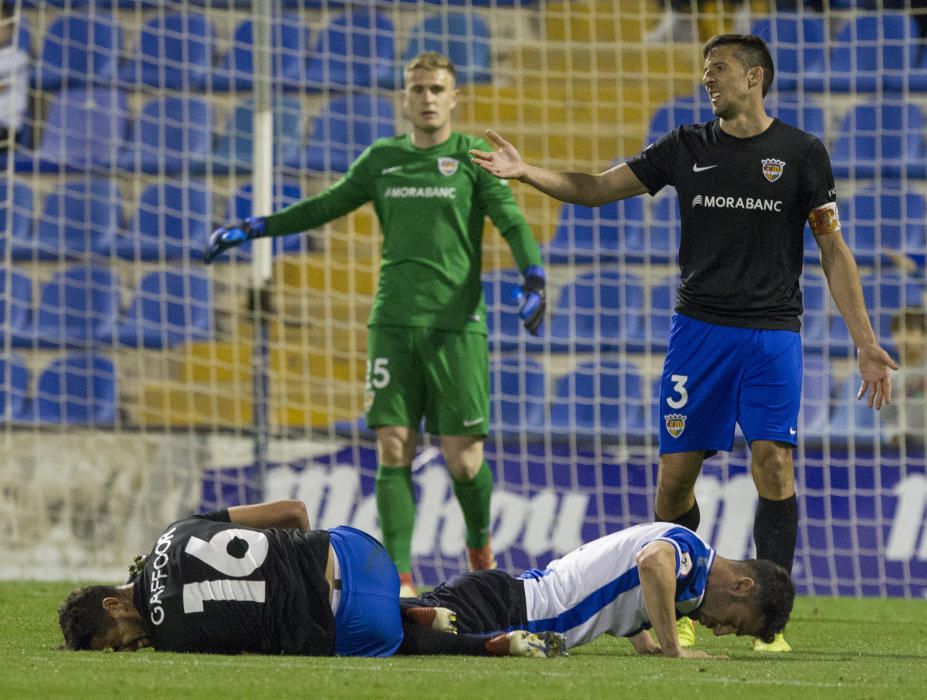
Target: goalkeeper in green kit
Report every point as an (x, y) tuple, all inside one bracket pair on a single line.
[(427, 352)]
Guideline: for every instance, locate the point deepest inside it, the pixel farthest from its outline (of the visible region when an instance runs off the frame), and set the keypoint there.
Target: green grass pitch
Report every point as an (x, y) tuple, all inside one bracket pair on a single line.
[(844, 648)]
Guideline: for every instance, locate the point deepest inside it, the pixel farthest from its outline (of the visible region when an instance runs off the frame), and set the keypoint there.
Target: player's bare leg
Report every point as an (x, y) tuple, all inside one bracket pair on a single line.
[(473, 488), (395, 499)]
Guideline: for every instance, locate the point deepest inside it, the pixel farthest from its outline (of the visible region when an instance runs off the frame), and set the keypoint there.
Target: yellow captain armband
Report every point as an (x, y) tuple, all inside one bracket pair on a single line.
[(824, 219)]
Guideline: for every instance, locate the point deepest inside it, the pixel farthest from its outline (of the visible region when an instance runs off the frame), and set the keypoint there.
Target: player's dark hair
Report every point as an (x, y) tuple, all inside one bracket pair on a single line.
[(431, 60), (774, 593), (82, 616), (750, 50)]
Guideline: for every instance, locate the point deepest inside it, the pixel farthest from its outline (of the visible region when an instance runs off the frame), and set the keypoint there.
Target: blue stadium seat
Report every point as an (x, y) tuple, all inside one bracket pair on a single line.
[(801, 112), (172, 221), (354, 50), (501, 290), (816, 390), (586, 234), (798, 42), (880, 218), (19, 234), (884, 139), (290, 41), (659, 317), (600, 400), (465, 38), (234, 151), (239, 207), (15, 308), (78, 50), (78, 219), (867, 52), (852, 420), (78, 307), (14, 389), (815, 321), (84, 129), (346, 126), (659, 241), (691, 109), (171, 135), (599, 311), (168, 308), (518, 390), (77, 389), (174, 51)]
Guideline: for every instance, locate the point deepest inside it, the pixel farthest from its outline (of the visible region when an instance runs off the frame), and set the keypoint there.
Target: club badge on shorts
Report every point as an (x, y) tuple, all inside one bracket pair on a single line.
[(675, 424), (772, 168), (448, 166)]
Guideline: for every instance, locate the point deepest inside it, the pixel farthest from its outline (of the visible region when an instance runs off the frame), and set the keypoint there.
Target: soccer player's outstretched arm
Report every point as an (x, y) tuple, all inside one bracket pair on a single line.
[(283, 514), (579, 188), (843, 281), (656, 565)]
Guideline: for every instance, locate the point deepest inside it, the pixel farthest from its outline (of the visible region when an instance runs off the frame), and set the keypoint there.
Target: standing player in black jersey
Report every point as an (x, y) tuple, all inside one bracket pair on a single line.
[(746, 183), (257, 579)]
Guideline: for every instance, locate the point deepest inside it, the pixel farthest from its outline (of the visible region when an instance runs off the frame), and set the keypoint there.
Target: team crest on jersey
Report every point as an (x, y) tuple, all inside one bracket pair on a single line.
[(675, 424), (685, 564), (448, 166), (772, 168)]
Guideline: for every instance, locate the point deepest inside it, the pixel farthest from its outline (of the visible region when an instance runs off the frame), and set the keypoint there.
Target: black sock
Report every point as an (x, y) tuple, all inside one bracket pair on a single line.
[(775, 529), (689, 519), (418, 639)]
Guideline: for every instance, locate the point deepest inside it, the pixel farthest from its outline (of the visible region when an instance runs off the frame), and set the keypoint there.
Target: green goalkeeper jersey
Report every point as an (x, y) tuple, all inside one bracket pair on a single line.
[(431, 203)]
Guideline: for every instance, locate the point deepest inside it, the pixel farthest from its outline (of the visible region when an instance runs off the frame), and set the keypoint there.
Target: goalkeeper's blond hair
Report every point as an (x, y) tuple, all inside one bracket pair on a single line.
[(430, 60)]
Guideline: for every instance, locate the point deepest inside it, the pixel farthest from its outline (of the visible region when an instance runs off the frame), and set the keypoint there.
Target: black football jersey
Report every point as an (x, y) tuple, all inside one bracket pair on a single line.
[(213, 586), (743, 204)]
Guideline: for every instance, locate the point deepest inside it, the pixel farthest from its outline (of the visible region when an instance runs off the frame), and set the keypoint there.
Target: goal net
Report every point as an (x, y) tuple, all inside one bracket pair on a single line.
[(138, 384)]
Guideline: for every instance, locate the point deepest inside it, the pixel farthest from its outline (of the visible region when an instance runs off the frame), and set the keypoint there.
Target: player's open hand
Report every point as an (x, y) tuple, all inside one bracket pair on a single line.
[(505, 162), (874, 365)]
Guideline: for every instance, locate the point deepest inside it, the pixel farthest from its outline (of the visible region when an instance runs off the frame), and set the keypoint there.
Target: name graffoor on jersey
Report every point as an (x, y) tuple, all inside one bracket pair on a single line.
[(157, 585), (718, 202)]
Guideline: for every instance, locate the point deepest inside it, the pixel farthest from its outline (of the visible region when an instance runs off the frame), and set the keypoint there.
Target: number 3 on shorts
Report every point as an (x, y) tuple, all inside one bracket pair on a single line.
[(378, 373), (679, 386)]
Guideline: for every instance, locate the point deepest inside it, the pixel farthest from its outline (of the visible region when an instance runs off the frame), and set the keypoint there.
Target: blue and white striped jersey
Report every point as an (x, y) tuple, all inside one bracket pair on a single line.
[(595, 589)]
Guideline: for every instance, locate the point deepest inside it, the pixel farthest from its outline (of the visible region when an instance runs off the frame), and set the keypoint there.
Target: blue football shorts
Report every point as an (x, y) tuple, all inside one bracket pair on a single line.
[(368, 622), (717, 376)]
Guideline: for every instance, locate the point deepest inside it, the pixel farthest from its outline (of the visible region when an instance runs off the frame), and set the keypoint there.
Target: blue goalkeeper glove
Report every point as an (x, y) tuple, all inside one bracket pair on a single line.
[(533, 300), (226, 237)]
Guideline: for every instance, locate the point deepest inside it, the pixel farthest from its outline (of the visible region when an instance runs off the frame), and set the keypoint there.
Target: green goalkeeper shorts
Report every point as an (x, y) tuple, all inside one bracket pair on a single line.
[(441, 376)]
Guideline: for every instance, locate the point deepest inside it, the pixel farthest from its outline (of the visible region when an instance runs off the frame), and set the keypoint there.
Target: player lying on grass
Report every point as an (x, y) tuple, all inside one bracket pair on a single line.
[(257, 579), (623, 584)]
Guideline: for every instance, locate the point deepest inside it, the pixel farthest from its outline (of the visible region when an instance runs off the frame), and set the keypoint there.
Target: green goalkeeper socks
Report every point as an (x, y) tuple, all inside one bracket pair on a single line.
[(396, 508), (474, 496)]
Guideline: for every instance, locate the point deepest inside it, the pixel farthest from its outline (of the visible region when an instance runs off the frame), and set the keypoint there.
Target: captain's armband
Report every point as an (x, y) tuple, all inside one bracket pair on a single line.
[(824, 219)]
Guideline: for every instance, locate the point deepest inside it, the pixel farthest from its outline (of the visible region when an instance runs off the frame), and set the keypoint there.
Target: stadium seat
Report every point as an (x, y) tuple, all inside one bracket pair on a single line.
[(517, 389), (174, 51), (659, 240), (587, 234), (15, 308), (290, 41), (168, 308), (14, 388), (798, 42), (600, 401), (346, 126), (172, 221), (171, 135), (19, 234), (464, 38), (78, 219), (851, 419), (691, 109), (78, 50), (881, 218), (815, 320), (884, 139), (501, 290), (659, 317), (599, 312), (77, 307), (84, 129), (801, 112), (234, 151), (355, 50), (816, 390), (239, 207), (77, 389)]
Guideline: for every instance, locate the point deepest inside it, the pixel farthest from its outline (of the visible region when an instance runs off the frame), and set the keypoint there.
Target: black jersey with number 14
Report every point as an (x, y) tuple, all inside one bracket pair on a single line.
[(743, 204), (213, 586)]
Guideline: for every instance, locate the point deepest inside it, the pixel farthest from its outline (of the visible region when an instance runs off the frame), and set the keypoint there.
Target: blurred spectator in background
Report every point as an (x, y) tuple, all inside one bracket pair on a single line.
[(904, 418), (14, 78)]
